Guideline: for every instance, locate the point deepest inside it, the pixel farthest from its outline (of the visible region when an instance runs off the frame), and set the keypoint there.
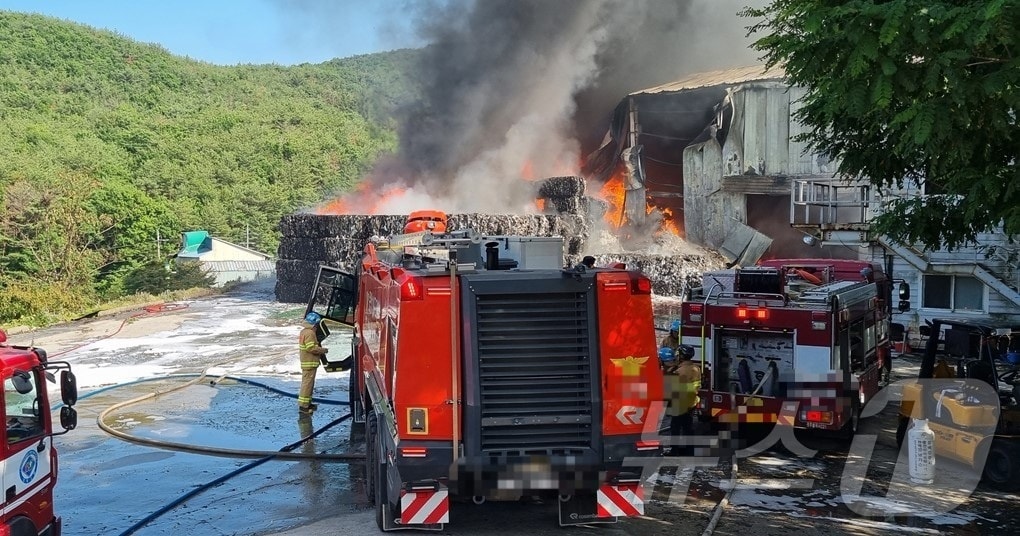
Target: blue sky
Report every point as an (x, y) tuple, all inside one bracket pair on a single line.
[(227, 32)]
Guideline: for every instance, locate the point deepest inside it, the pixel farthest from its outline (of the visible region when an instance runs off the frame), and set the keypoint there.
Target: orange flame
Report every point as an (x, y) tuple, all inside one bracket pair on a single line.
[(614, 194), (669, 223), (368, 199), (362, 196), (528, 171)]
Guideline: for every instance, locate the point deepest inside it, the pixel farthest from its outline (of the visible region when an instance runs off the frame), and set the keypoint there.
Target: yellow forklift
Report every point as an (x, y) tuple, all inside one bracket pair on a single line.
[(969, 391)]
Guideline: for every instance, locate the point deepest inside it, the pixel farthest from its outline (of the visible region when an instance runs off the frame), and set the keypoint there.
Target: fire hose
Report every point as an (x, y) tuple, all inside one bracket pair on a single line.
[(215, 451), (146, 310), (285, 453), (211, 484)]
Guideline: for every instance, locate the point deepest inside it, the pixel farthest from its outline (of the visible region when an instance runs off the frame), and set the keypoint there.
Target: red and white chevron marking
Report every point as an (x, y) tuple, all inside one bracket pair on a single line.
[(424, 507), (622, 500)]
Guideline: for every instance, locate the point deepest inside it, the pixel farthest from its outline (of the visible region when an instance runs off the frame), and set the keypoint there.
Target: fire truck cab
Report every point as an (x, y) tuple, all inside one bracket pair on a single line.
[(27, 453), (790, 341), (486, 370)]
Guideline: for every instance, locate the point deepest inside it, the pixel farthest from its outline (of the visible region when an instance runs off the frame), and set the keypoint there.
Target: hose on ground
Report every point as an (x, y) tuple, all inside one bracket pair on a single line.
[(147, 310), (214, 451), (717, 513), (277, 455)]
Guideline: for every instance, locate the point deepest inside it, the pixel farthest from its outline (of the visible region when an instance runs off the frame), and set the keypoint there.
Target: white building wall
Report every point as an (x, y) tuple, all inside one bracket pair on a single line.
[(760, 142)]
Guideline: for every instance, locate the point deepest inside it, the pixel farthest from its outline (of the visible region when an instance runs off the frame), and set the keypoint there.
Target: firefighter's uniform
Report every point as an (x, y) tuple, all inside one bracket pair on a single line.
[(682, 384), (672, 341), (310, 352)]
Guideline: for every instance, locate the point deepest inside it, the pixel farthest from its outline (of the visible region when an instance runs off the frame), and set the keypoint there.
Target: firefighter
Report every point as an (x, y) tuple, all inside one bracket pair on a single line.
[(667, 359), (682, 384), (310, 353), (672, 341)]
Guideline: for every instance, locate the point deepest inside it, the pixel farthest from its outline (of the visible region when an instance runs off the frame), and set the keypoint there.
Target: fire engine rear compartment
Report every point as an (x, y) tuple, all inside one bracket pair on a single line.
[(756, 374), (758, 362), (530, 386)]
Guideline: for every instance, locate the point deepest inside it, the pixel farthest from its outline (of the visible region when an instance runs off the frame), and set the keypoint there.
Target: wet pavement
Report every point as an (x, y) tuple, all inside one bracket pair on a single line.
[(109, 485)]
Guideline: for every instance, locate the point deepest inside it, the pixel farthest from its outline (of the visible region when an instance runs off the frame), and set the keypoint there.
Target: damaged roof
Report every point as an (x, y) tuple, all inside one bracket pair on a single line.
[(738, 75)]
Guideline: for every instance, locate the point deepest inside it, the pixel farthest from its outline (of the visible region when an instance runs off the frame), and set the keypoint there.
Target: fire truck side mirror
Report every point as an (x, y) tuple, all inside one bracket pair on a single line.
[(68, 418), (68, 388), (904, 291), (22, 382)]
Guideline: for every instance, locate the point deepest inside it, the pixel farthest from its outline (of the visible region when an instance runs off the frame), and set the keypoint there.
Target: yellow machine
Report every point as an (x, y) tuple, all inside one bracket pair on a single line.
[(968, 389)]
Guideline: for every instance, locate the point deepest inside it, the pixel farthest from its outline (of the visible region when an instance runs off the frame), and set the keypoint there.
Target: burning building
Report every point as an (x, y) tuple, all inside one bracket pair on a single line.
[(714, 154), (514, 93)]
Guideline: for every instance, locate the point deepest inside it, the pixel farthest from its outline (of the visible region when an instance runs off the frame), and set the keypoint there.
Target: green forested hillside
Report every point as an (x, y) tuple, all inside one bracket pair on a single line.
[(105, 141)]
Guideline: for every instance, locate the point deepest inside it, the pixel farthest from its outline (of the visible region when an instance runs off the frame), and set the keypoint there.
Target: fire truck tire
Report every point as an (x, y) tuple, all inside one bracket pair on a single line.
[(370, 470), (383, 508), (901, 430), (22, 526), (1002, 466), (850, 428), (354, 396)]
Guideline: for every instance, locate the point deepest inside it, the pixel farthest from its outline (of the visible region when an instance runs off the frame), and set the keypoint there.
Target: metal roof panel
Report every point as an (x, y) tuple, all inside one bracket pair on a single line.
[(734, 76)]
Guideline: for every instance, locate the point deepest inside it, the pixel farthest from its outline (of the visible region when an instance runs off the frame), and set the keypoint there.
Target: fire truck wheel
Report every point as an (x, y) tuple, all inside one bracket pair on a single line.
[(901, 430), (370, 470), (850, 428), (355, 404), (383, 508), (1002, 467), (21, 526)]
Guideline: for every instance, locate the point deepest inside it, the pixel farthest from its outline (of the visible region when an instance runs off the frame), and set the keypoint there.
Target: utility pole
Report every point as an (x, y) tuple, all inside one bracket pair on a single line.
[(159, 246)]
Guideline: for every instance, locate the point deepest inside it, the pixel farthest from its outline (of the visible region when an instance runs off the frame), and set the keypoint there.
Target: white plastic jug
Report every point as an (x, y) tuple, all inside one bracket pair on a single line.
[(921, 452)]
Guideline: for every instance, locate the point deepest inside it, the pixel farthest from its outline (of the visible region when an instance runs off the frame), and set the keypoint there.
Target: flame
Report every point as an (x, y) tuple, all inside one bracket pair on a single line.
[(614, 194), (333, 206), (669, 223), (368, 198), (362, 196), (528, 171)]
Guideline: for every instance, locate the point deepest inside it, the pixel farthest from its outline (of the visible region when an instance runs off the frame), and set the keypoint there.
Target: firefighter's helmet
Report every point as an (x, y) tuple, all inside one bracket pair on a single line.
[(686, 351), (666, 354), (313, 318), (675, 326)]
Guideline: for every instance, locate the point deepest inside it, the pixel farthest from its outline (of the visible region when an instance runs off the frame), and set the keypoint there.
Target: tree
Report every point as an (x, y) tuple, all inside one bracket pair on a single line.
[(104, 142), (902, 92), (156, 278)]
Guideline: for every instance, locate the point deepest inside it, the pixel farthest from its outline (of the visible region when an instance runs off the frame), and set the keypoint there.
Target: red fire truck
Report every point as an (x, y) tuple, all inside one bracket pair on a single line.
[(801, 342), (486, 370), (28, 456)]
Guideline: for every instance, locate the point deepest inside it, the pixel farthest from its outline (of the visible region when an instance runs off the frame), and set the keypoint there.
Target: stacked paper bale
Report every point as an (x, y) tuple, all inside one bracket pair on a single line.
[(338, 240), (309, 240)]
